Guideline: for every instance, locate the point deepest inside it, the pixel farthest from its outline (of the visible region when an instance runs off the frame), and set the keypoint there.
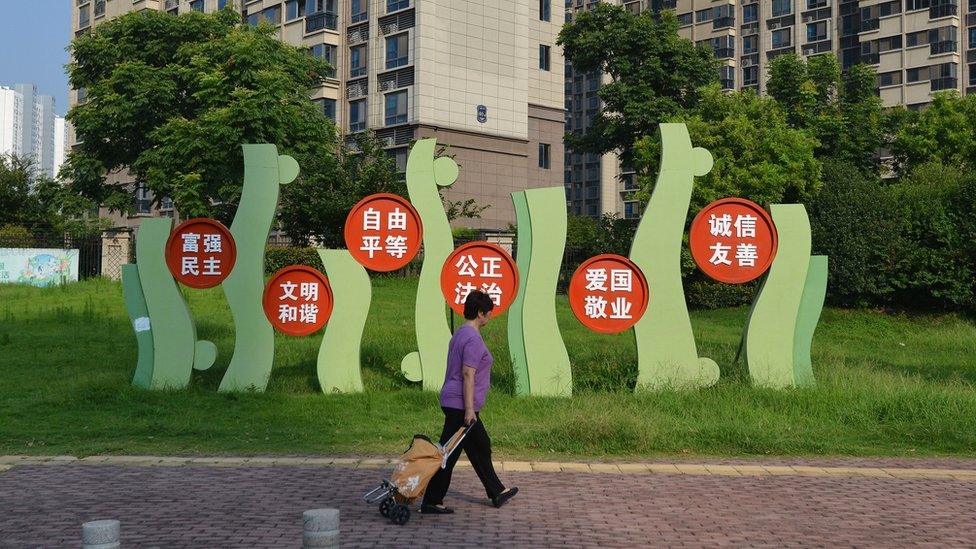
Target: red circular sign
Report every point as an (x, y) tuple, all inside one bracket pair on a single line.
[(733, 240), (298, 300), (480, 266), (383, 232), (200, 253), (608, 293)]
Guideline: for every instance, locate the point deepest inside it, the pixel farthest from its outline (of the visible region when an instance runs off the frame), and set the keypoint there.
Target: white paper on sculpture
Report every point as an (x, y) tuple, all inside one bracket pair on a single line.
[(141, 324)]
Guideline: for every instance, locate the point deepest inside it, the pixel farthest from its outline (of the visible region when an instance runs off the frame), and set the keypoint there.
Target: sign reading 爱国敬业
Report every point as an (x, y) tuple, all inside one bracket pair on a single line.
[(298, 300), (201, 253), (383, 232), (733, 240), (608, 293), (479, 266)]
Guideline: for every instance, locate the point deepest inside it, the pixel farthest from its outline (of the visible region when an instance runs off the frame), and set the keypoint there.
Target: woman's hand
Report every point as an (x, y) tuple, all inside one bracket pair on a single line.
[(469, 417)]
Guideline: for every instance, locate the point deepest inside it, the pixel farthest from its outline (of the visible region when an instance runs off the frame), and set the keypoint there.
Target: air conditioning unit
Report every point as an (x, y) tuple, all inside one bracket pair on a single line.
[(391, 28), (388, 141), (387, 85)]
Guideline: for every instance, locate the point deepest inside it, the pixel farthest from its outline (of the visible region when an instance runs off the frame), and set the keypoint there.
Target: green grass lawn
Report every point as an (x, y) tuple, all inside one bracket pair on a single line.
[(888, 385)]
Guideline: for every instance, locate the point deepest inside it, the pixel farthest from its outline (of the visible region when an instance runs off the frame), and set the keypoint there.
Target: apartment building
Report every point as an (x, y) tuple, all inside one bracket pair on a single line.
[(482, 76), (28, 124), (918, 47)]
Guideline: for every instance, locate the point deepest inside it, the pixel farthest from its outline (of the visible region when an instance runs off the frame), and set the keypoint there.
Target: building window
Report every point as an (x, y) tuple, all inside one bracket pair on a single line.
[(272, 16), (782, 7), (892, 78), (358, 10), (396, 51), (750, 44), (221, 4), (142, 203), (972, 74), (400, 157), (396, 108), (917, 74), (327, 52), (816, 31), (911, 5), (781, 38), (684, 19), (544, 61), (750, 13), (321, 14), (294, 9), (357, 61), (394, 5), (972, 38), (84, 16), (545, 153), (545, 10), (972, 6), (357, 115), (327, 106), (750, 75), (196, 5), (702, 16)]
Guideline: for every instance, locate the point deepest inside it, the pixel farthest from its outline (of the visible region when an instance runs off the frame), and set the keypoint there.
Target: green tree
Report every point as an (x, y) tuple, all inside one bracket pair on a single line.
[(172, 99), (654, 74), (945, 131), (315, 206), (37, 203), (840, 109), (757, 154)]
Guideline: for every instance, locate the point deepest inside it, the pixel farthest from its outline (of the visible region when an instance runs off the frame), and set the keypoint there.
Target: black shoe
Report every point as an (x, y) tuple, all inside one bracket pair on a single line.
[(435, 510), (501, 498)]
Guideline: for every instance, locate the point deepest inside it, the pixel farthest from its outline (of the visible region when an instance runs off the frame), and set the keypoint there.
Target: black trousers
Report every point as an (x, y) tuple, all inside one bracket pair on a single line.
[(477, 446)]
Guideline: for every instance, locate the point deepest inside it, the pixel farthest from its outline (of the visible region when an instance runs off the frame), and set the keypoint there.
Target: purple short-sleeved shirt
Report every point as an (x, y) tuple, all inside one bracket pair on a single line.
[(466, 349)]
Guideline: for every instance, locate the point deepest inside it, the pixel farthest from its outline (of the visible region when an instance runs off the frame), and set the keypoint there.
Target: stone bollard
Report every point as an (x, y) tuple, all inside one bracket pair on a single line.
[(100, 534), (321, 528)]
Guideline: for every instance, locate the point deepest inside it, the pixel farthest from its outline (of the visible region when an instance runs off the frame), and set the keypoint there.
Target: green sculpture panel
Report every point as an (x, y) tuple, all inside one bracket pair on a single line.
[(811, 306), (666, 351), (544, 361), (774, 321), (516, 335), (264, 173), (425, 174), (135, 304), (339, 365), (176, 351)]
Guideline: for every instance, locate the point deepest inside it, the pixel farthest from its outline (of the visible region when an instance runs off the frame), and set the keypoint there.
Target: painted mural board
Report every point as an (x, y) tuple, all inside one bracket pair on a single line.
[(38, 266)]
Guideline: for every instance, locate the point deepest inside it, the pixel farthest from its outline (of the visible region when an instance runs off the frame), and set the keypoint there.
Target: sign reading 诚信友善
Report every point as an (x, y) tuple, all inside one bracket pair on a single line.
[(38, 266)]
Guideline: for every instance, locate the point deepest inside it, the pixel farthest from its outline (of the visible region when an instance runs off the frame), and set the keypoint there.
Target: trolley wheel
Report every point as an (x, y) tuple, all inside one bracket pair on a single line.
[(386, 507), (400, 514)]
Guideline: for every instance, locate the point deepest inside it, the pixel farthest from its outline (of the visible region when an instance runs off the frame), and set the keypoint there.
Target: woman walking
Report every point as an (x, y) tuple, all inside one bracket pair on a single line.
[(463, 395)]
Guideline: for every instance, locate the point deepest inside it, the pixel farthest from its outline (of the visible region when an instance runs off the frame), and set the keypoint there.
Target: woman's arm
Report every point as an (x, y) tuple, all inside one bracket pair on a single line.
[(469, 415)]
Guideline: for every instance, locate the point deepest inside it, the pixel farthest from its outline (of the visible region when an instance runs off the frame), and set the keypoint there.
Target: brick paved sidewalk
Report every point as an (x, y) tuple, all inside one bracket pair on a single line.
[(231, 504)]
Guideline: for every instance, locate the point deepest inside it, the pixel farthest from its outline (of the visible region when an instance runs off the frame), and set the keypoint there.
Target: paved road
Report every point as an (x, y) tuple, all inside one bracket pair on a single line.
[(261, 506)]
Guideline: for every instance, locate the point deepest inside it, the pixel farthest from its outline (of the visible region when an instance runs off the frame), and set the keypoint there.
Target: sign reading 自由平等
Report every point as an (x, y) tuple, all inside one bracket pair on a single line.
[(733, 240), (298, 300), (201, 253), (383, 232), (608, 293), (38, 266), (479, 266)]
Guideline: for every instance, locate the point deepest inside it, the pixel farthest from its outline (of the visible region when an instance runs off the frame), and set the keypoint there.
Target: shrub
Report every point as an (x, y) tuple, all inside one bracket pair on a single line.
[(278, 257)]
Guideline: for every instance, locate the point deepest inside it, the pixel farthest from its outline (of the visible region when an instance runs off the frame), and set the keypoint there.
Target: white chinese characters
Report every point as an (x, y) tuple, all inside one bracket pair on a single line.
[(305, 309)]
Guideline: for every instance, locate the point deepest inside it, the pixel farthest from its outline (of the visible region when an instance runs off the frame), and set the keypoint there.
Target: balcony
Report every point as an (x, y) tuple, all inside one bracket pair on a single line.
[(870, 24), (320, 21), (725, 53), (945, 46), (723, 22), (947, 83), (819, 47), (943, 10)]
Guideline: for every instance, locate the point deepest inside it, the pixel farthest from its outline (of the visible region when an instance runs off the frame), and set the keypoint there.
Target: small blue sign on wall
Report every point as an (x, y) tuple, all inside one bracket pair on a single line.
[(482, 114)]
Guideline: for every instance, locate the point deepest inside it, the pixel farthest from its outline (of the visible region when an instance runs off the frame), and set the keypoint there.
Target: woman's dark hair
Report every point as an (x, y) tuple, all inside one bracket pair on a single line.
[(477, 302)]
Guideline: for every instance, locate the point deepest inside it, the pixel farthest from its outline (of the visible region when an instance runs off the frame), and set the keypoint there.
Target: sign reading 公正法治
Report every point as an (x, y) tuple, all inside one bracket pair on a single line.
[(479, 266), (38, 266)]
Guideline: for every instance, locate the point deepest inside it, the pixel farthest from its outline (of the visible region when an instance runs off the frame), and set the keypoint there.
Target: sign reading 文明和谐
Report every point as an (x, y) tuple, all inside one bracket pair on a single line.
[(298, 300), (479, 266), (733, 240)]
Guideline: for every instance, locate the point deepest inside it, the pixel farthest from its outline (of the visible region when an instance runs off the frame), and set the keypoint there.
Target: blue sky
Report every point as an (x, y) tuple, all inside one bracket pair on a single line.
[(33, 38)]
